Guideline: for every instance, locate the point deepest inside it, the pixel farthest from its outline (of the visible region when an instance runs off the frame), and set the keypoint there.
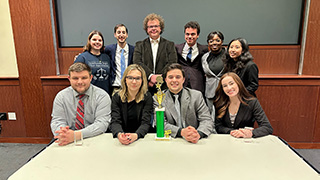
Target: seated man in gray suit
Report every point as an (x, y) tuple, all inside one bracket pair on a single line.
[(81, 110), (186, 113)]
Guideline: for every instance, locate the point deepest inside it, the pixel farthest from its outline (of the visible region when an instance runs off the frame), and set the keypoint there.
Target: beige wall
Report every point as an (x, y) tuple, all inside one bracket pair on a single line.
[(8, 60)]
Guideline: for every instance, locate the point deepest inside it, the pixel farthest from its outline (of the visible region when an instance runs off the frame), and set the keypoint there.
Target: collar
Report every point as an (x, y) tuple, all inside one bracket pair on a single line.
[(126, 48), (179, 94), (153, 40), (87, 93), (187, 47)]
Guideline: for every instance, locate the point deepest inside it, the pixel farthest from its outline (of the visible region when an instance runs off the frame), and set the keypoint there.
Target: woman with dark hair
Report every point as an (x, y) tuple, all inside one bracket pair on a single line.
[(93, 55), (237, 110), (239, 60), (212, 64), (132, 106)]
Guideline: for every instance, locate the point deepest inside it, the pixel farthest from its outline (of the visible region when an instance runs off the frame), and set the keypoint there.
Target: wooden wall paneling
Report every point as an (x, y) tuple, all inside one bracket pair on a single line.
[(66, 58), (11, 102), (276, 59), (50, 88), (32, 32), (291, 110), (311, 63), (316, 137), (270, 59)]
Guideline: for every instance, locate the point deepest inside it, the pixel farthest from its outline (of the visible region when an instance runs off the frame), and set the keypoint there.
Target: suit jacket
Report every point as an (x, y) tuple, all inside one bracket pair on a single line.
[(193, 71), (166, 55), (246, 116), (194, 112), (111, 52), (119, 114), (249, 76)]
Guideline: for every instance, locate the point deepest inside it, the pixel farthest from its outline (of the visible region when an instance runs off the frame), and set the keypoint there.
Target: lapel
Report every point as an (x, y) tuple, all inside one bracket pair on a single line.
[(169, 105), (148, 50), (240, 114), (180, 48), (130, 54), (160, 49), (185, 101), (124, 111), (227, 118), (114, 48)]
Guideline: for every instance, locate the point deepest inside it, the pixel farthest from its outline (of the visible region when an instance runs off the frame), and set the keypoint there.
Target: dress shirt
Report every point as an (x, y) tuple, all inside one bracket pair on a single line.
[(97, 115), (185, 51), (154, 47), (117, 81)]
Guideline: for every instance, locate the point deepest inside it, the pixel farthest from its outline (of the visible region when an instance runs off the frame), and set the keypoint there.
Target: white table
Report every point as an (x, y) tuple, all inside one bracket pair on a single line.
[(217, 157)]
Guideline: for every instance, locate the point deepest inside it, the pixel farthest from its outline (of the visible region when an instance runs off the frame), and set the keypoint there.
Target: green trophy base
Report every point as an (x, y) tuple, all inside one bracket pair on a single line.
[(161, 136)]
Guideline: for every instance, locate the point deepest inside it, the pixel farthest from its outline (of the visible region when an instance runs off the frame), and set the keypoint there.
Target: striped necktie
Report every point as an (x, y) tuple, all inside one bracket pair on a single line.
[(80, 113)]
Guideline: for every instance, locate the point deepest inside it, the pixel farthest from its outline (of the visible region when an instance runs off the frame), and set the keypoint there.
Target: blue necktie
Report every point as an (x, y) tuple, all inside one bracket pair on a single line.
[(189, 55), (123, 62)]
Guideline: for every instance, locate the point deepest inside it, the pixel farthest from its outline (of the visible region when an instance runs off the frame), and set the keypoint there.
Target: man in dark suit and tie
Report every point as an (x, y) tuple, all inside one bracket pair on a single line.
[(189, 56), (154, 53), (186, 113), (121, 55)]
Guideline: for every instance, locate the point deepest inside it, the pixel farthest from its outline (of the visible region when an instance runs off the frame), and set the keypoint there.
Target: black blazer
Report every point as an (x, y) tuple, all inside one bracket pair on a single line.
[(249, 76), (166, 55), (246, 116), (193, 71), (119, 114)]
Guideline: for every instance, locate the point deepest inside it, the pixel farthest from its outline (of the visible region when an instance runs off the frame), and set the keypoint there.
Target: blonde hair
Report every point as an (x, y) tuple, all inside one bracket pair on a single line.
[(123, 92)]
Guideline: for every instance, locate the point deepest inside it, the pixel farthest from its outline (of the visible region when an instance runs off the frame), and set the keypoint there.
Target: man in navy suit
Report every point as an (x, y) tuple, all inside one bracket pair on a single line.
[(189, 56), (121, 55)]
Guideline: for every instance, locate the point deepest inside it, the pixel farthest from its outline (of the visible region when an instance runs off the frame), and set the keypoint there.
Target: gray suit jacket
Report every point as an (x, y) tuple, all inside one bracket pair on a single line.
[(166, 55), (194, 112)]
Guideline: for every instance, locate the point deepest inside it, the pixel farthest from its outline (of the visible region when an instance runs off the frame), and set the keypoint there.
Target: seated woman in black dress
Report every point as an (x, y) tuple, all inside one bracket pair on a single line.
[(239, 60), (132, 106), (237, 110)]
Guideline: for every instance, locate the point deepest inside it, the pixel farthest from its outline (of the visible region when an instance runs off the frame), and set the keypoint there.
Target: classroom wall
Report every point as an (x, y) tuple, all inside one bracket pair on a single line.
[(291, 102), (8, 59)]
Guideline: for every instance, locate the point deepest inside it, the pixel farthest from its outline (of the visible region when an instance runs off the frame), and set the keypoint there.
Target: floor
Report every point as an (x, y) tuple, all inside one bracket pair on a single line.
[(13, 156)]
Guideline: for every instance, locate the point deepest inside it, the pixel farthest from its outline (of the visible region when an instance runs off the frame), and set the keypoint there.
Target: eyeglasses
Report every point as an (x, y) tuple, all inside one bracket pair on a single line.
[(154, 26), (130, 78)]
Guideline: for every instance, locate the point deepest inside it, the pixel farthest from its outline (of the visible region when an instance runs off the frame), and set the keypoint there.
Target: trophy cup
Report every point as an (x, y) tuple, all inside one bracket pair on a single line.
[(159, 97)]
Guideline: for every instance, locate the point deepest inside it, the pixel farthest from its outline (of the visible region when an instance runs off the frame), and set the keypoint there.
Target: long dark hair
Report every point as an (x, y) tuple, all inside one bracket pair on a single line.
[(87, 47), (230, 65), (221, 101)]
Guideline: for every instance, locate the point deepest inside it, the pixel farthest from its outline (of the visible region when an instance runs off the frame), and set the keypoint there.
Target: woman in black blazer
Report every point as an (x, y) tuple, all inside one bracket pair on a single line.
[(239, 60), (237, 110), (132, 106)]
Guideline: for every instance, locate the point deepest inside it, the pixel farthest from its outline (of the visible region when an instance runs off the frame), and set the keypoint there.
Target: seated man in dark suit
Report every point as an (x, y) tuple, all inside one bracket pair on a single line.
[(189, 56), (121, 55), (154, 53), (186, 113)]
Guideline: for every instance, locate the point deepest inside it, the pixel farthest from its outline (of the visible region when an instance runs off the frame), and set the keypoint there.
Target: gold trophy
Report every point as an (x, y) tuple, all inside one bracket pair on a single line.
[(159, 96)]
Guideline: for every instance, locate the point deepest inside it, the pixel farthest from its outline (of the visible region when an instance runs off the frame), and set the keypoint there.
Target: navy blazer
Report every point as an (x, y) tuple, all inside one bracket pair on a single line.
[(111, 52)]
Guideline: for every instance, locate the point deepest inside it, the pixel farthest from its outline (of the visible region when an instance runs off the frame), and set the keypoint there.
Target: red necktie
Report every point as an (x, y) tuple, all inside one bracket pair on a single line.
[(80, 113)]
